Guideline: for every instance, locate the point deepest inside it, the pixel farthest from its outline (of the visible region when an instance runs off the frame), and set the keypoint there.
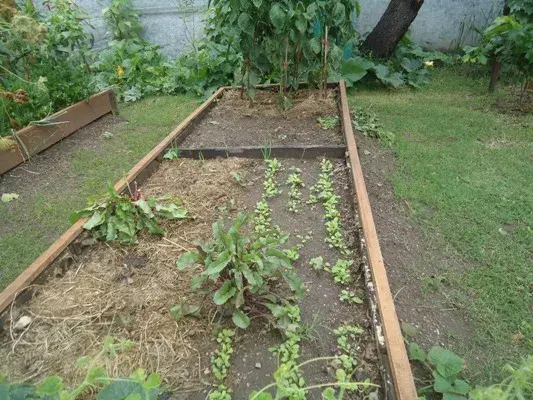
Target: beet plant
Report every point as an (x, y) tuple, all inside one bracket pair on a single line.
[(240, 268), (121, 217)]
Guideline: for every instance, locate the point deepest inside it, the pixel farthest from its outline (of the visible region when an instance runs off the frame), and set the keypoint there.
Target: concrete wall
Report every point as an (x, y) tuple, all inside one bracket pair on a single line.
[(441, 24)]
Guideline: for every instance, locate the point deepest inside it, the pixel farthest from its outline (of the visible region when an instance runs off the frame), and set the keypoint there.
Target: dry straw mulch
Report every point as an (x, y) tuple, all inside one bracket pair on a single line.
[(126, 293)]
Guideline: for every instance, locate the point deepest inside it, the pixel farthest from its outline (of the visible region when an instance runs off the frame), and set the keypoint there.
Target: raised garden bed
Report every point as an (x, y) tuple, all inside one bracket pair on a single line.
[(93, 290), (35, 138)]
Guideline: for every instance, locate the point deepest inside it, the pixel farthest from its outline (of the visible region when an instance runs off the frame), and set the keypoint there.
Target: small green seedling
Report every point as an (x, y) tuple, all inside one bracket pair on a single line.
[(350, 297)]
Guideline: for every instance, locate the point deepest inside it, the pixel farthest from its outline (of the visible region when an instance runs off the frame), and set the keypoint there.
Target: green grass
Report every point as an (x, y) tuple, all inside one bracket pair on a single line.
[(36, 222), (466, 169)]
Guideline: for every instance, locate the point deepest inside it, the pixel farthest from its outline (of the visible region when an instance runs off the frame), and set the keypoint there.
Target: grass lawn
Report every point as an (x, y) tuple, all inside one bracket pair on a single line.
[(466, 169), (37, 221)]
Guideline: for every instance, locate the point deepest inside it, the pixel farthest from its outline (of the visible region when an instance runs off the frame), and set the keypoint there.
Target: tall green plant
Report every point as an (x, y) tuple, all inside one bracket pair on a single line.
[(239, 267)]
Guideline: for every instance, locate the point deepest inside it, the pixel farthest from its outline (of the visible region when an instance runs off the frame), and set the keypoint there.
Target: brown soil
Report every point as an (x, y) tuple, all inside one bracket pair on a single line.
[(126, 292), (412, 263), (232, 123)]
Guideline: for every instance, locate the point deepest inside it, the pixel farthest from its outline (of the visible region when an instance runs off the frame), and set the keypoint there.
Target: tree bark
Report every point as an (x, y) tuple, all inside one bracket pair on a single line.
[(497, 65), (392, 26)]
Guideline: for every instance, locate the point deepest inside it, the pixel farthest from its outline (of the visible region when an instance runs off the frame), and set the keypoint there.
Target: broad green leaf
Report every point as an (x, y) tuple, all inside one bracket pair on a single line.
[(412, 64), (315, 45), (223, 294), (354, 69), (49, 386), (416, 353), (339, 13), (197, 281), (121, 390), (240, 319), (171, 211), (153, 381), (187, 260), (219, 264), (329, 394), (98, 218), (245, 23), (451, 387), (145, 208), (383, 73), (277, 16), (446, 362), (257, 3)]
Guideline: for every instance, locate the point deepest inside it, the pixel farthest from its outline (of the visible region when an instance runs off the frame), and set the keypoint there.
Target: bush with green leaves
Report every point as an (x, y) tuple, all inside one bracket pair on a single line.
[(44, 61), (139, 385), (240, 267), (509, 40), (121, 217)]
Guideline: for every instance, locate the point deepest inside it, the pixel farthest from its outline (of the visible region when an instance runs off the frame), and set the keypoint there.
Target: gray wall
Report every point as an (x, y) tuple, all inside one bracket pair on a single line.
[(441, 24)]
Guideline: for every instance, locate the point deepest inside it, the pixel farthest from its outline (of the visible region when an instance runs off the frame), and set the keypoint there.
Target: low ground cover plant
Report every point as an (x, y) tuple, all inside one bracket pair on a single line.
[(122, 217)]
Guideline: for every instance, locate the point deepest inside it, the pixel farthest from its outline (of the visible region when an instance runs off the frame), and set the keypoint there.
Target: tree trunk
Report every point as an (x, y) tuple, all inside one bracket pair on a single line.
[(392, 26), (497, 65)]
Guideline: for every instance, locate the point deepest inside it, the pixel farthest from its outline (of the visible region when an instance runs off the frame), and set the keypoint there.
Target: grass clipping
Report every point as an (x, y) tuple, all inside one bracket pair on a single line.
[(106, 294)]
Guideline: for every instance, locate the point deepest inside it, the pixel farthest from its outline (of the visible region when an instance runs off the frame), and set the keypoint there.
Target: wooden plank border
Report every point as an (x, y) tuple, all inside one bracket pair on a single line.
[(31, 273), (33, 139), (303, 152), (400, 369)]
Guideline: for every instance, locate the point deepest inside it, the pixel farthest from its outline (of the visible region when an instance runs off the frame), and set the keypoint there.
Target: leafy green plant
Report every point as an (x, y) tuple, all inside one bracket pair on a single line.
[(284, 389), (263, 220), (239, 267), (445, 368), (350, 297), (509, 40), (295, 185), (318, 263), (347, 337), (220, 363), (172, 154), (271, 186), (138, 385), (328, 122), (119, 217), (341, 271), (323, 191), (368, 124)]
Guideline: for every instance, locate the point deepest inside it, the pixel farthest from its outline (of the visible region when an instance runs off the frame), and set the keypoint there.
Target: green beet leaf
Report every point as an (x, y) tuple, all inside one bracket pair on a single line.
[(446, 362), (241, 319), (225, 293)]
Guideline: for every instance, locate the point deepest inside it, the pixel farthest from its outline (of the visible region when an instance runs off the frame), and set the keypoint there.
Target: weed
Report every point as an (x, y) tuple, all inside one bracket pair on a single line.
[(367, 123), (328, 122), (173, 153)]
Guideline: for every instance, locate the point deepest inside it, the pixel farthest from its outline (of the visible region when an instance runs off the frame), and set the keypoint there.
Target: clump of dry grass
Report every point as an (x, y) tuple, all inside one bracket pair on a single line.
[(101, 295)]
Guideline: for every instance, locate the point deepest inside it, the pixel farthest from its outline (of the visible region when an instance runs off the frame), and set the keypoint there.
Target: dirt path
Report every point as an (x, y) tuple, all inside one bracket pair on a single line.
[(412, 265)]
